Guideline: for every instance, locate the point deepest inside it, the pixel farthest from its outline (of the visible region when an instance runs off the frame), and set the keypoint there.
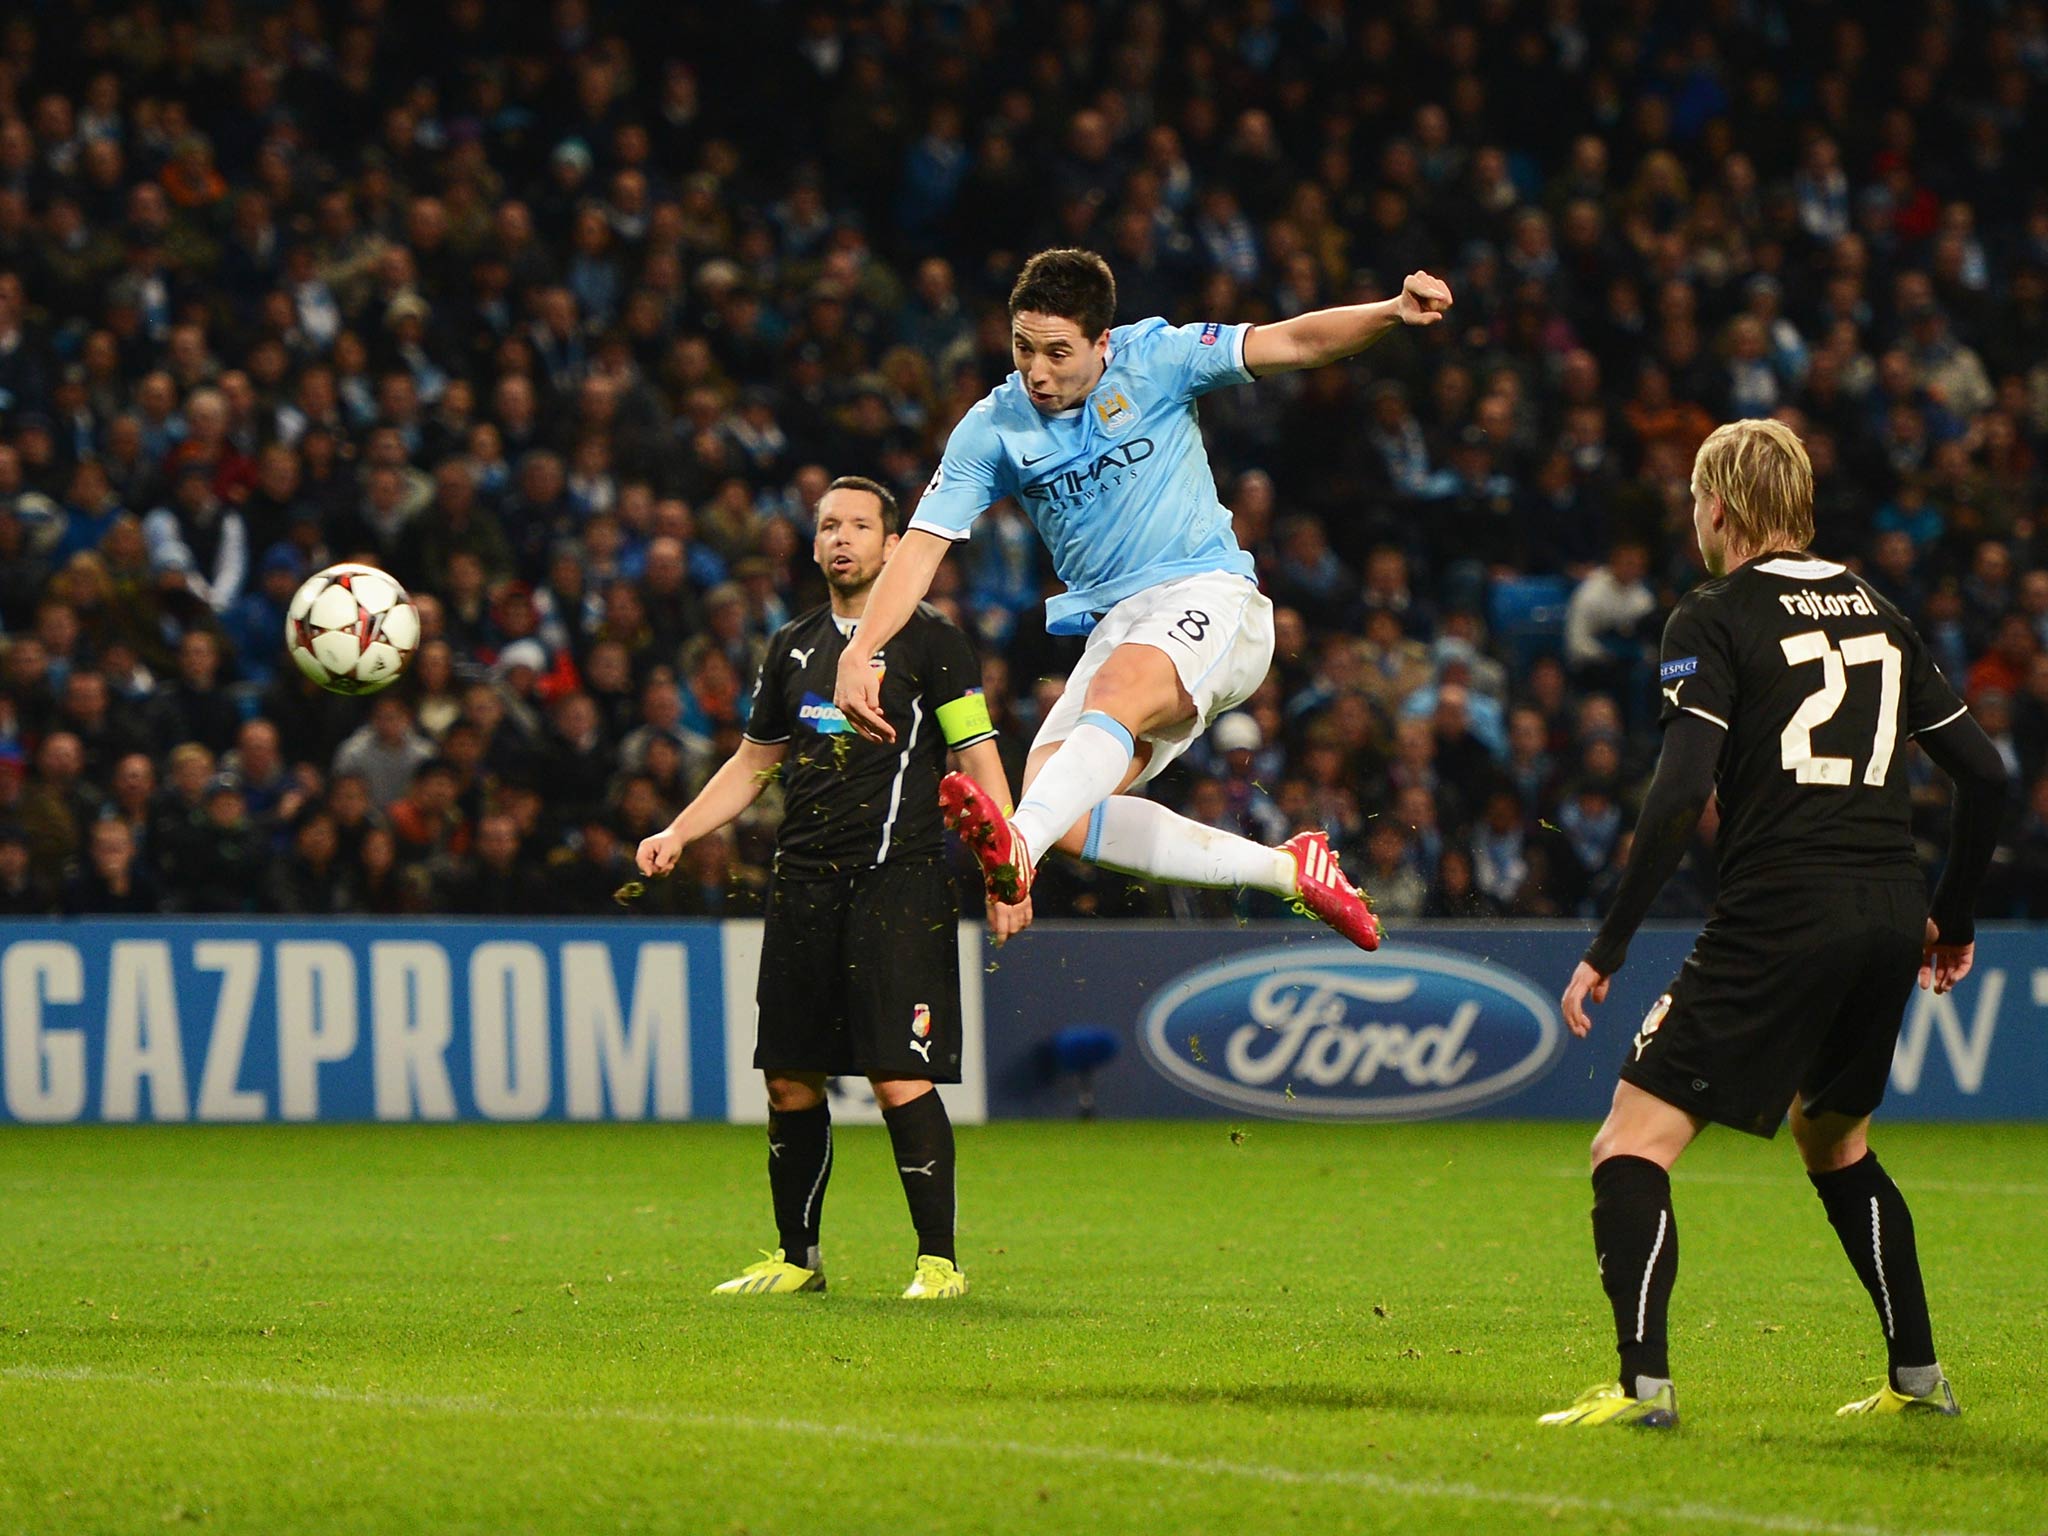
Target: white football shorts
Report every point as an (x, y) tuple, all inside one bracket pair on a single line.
[(1217, 627)]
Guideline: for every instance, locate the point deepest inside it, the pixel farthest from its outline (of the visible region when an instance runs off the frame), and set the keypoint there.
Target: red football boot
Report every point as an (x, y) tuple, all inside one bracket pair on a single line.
[(1326, 894), (1005, 864)]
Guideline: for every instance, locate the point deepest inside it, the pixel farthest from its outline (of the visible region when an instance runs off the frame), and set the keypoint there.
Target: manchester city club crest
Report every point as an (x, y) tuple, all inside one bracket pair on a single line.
[(1114, 410)]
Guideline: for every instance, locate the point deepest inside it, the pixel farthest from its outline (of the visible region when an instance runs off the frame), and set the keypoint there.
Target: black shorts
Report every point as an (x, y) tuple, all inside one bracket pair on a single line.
[(860, 974), (1787, 991)]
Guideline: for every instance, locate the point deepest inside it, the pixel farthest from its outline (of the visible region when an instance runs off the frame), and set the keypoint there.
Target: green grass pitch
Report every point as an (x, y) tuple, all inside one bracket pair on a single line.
[(1317, 1329)]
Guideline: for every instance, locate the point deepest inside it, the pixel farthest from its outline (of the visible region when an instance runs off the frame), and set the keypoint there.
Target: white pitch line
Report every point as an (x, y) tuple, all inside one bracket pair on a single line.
[(1790, 1177), (1099, 1455)]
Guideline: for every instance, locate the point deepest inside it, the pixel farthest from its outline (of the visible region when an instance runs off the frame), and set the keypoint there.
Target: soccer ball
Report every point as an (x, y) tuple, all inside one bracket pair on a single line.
[(352, 629)]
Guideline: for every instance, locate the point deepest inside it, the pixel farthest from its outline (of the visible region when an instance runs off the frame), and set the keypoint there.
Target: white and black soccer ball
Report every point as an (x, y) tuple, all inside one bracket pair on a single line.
[(352, 629)]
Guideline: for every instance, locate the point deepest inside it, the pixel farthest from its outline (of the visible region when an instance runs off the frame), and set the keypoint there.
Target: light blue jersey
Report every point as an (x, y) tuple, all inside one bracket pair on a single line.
[(1120, 487)]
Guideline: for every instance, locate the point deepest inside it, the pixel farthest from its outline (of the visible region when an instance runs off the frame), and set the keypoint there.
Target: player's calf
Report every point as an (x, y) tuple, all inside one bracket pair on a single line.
[(799, 1168), (1635, 1243), (921, 1136), (1875, 1226)]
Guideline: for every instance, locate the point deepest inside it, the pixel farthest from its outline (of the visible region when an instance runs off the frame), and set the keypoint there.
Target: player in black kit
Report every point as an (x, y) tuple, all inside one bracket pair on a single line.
[(860, 967), (1791, 690)]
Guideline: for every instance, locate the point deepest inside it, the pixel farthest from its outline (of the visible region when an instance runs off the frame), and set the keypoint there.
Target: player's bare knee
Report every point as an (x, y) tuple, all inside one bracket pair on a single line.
[(1826, 1147), (1605, 1144), (895, 1092), (1631, 1135), (1075, 841), (793, 1095), (1139, 688), (1125, 705)]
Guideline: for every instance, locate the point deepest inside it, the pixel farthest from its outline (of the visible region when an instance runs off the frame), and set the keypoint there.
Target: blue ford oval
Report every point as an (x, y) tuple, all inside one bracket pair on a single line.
[(1408, 1033)]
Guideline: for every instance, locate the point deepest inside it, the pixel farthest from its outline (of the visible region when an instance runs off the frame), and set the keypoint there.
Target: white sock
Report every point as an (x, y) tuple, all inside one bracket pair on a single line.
[(1139, 837), (1088, 768)]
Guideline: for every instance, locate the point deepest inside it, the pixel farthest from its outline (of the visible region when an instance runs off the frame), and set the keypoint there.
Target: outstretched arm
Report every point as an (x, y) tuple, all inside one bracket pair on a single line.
[(1329, 335), (891, 601), (729, 791)]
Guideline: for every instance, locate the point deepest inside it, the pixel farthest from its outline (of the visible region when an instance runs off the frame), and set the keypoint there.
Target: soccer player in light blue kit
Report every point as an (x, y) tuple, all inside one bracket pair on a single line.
[(1096, 438)]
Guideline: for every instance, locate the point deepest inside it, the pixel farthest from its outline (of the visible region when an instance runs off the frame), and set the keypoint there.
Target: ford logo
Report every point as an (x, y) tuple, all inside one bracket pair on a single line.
[(1409, 1033)]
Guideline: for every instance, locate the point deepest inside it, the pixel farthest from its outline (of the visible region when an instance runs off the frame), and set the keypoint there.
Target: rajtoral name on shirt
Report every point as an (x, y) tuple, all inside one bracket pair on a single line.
[(1826, 605), (822, 716)]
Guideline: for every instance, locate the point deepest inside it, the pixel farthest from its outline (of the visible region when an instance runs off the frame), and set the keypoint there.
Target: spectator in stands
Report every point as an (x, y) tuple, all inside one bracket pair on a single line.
[(105, 735), (1530, 767), (496, 881), (427, 820), (385, 751), (1608, 630), (113, 880), (58, 805), (1249, 810), (2004, 667), (271, 791), (131, 798), (1398, 892), (254, 623), (1453, 894), (712, 883), (220, 859), (22, 894), (382, 884), (312, 879), (588, 875)]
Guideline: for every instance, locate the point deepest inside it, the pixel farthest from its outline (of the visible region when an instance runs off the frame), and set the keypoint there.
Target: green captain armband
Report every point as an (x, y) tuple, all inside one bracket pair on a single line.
[(966, 720)]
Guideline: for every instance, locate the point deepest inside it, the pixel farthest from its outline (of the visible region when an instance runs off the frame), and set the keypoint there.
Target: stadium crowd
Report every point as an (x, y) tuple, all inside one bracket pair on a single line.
[(567, 314)]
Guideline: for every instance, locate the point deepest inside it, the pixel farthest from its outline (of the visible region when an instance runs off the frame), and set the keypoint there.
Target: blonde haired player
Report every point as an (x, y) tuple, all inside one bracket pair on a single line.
[(1790, 690)]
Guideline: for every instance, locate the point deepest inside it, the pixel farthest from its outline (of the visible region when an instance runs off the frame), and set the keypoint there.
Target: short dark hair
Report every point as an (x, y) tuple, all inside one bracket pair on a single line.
[(892, 514), (1075, 285)]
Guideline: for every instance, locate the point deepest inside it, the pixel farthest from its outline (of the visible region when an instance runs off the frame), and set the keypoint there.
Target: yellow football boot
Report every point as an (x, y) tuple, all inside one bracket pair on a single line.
[(936, 1278), (1941, 1400), (773, 1276), (1608, 1404)]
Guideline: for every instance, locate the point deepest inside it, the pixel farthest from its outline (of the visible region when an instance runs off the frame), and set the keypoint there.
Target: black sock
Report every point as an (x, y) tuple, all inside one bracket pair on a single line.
[(799, 1164), (1870, 1216), (1635, 1236), (923, 1138)]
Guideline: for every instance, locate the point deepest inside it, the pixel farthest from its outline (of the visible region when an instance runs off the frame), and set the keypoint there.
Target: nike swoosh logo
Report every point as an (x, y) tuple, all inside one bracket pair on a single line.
[(1027, 463)]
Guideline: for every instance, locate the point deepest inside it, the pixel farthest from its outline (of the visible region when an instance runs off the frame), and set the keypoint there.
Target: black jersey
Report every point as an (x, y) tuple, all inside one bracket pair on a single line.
[(1819, 683), (849, 803)]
